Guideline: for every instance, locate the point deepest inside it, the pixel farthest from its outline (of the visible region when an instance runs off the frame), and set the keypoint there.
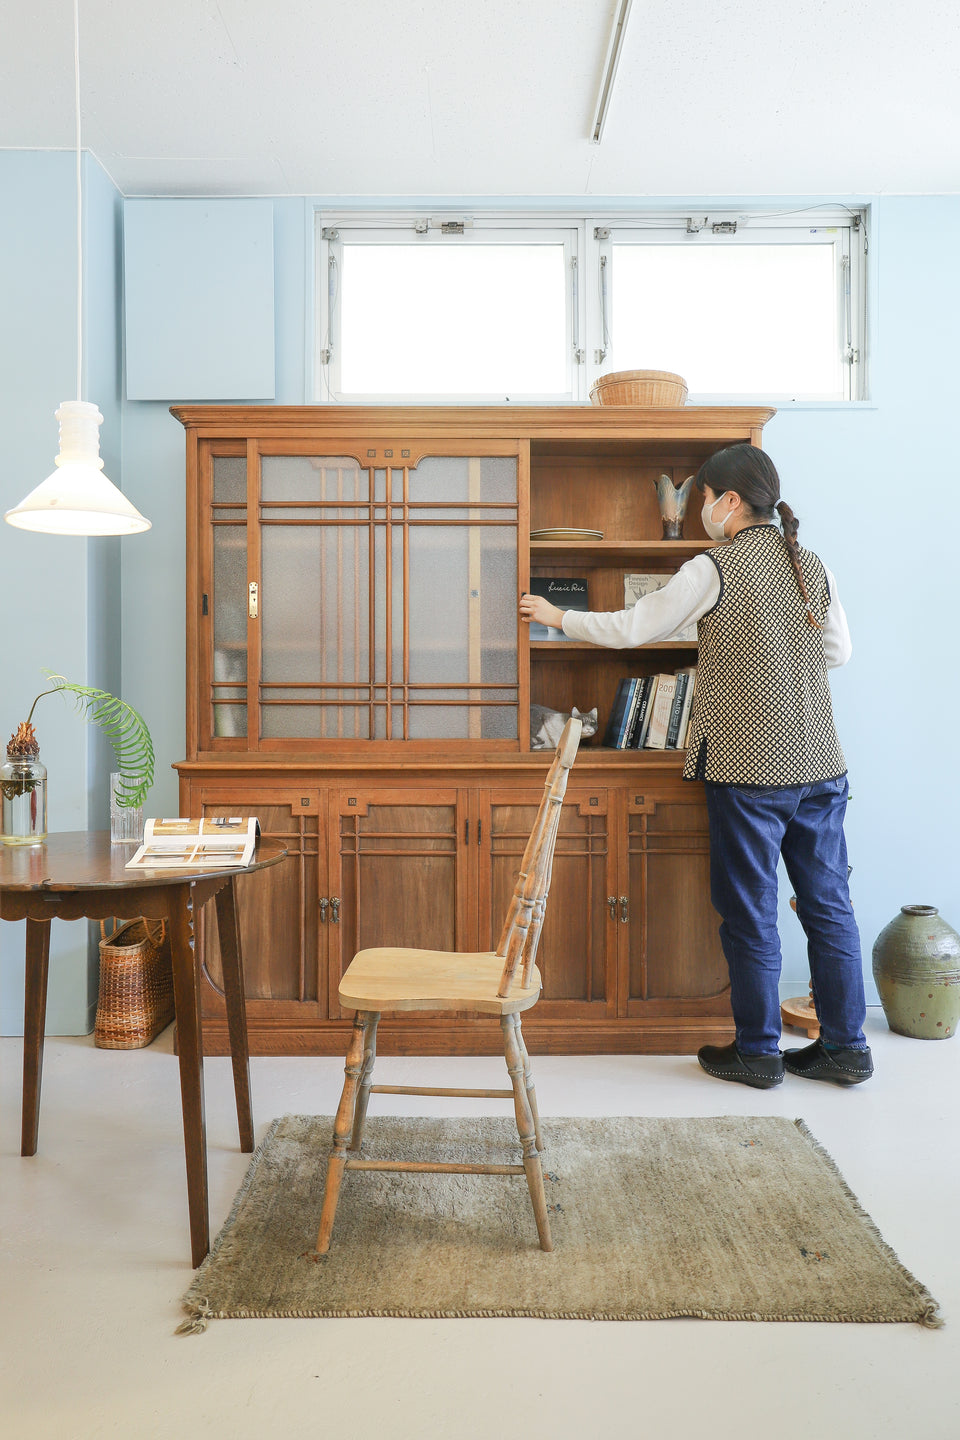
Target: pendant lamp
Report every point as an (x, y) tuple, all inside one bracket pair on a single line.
[(78, 499)]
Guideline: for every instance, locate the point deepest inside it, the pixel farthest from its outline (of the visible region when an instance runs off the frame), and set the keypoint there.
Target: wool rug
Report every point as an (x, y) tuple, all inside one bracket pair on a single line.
[(727, 1218)]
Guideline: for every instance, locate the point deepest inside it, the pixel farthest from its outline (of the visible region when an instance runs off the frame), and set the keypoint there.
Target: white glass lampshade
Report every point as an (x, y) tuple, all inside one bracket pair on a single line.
[(78, 499)]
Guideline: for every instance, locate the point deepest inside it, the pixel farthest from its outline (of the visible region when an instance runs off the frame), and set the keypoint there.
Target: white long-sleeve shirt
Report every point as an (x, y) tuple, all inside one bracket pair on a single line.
[(690, 593)]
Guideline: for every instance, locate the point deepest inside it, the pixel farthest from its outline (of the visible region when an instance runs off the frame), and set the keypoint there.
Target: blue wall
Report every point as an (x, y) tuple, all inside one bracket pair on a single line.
[(858, 477), (61, 610)]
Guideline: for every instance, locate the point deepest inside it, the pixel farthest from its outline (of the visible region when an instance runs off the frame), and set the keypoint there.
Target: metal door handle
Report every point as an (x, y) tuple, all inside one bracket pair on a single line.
[(335, 909), (612, 902), (624, 908), (253, 605), (324, 907)]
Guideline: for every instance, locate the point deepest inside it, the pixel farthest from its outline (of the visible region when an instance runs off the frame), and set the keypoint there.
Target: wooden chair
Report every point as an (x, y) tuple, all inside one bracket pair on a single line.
[(382, 980)]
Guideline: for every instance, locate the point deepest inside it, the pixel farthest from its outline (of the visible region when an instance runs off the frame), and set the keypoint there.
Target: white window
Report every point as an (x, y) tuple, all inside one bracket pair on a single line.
[(448, 310), (746, 306), (743, 307)]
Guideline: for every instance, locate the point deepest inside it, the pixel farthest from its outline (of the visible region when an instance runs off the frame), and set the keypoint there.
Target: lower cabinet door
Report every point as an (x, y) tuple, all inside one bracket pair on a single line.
[(577, 950), (399, 874), (279, 909), (675, 964)]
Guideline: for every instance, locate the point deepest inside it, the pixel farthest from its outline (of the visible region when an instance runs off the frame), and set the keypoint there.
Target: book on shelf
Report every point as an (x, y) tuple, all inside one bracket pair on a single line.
[(683, 727), (638, 730), (635, 587), (652, 712), (618, 714), (660, 715), (182, 844), (561, 591)]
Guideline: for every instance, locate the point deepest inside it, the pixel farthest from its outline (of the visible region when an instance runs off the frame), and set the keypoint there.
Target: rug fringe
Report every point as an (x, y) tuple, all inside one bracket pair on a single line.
[(196, 1321), (929, 1316)]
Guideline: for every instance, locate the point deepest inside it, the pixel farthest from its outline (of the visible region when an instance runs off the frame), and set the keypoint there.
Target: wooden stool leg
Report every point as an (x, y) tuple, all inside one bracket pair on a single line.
[(528, 1082), (342, 1127), (34, 1018), (366, 1078), (526, 1129), (228, 930)]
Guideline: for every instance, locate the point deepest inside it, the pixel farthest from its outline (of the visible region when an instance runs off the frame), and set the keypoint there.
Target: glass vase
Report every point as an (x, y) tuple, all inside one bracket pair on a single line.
[(126, 821), (23, 783)]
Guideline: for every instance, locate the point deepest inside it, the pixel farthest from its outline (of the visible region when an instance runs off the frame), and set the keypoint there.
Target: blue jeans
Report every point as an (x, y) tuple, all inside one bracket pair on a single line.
[(750, 827)]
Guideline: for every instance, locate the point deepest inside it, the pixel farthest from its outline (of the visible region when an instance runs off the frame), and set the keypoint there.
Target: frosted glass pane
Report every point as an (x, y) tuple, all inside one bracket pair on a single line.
[(736, 319), (314, 627), (229, 627), (481, 480), (229, 479), (478, 319), (312, 478)]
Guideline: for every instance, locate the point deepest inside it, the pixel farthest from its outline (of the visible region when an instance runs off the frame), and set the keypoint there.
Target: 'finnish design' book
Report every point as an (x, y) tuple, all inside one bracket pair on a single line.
[(635, 587)]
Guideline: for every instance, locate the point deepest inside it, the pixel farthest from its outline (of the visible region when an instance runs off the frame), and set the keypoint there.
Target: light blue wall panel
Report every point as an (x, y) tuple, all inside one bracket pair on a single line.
[(153, 580), (199, 300), (61, 591)]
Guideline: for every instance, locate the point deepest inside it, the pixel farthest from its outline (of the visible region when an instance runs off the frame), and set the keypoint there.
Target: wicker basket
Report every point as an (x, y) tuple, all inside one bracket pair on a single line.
[(136, 985), (639, 387)]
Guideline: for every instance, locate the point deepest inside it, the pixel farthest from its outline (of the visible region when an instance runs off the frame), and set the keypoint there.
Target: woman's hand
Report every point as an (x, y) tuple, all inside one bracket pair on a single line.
[(535, 607)]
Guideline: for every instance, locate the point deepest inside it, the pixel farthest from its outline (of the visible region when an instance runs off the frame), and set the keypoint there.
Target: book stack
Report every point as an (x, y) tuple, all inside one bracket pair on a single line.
[(652, 712)]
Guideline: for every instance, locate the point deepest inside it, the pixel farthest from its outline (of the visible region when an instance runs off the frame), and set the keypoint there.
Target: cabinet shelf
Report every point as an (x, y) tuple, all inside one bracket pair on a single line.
[(598, 551), (563, 646)]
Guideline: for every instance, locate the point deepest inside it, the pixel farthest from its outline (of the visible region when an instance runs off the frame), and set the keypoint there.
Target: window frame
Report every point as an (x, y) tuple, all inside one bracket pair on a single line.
[(398, 228), (588, 239)]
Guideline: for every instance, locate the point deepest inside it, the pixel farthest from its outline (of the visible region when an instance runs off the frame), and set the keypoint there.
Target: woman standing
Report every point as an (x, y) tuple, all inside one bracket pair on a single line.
[(762, 738)]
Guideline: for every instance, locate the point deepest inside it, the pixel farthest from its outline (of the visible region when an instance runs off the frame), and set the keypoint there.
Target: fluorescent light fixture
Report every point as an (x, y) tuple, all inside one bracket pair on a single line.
[(610, 70)]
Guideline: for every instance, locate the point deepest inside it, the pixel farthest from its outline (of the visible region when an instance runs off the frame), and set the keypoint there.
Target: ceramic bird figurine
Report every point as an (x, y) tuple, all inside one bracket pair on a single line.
[(672, 500)]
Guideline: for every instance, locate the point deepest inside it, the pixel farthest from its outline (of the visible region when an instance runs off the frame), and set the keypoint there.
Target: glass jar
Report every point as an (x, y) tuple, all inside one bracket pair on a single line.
[(23, 783)]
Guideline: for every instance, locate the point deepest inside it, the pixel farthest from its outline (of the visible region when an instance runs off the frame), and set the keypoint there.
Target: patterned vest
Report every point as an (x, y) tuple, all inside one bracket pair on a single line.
[(762, 712)]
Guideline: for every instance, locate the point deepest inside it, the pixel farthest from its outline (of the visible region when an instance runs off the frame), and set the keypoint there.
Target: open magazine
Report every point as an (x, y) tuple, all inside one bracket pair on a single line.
[(216, 844)]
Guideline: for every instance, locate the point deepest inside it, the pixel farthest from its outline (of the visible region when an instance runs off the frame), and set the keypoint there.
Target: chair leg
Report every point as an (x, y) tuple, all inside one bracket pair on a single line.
[(526, 1129), (528, 1082), (366, 1078), (342, 1127)]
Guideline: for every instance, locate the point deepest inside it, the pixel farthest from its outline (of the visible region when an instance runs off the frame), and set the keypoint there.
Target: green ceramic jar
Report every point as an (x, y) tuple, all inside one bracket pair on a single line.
[(916, 964)]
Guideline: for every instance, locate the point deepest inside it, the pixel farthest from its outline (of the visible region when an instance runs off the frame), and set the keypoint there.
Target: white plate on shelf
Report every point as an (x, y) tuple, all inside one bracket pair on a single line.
[(566, 533)]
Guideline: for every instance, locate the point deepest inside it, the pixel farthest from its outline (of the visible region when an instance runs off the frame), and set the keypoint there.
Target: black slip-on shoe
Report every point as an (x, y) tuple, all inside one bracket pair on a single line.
[(726, 1063), (840, 1067)]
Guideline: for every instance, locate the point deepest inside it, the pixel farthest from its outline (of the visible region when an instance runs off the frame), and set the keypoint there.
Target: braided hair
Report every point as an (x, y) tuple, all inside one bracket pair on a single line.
[(751, 474)]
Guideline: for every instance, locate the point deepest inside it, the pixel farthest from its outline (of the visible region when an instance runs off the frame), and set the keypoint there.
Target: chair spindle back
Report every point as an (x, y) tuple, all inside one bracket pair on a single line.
[(521, 930)]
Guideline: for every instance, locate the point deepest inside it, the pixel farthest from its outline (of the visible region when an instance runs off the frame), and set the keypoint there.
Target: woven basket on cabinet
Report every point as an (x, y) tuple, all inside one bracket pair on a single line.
[(639, 387), (136, 985)]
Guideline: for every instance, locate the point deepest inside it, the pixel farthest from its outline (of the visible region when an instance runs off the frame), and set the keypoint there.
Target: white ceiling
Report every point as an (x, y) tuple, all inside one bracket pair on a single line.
[(492, 97)]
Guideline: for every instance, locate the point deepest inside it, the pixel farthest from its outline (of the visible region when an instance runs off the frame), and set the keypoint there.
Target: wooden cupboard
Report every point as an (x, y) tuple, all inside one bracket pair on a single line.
[(358, 678)]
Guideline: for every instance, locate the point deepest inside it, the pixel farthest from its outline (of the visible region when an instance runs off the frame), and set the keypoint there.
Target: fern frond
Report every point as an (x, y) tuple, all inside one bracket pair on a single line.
[(126, 730)]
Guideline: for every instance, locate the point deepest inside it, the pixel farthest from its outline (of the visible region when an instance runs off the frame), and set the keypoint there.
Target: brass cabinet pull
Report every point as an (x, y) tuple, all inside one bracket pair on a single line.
[(612, 902), (624, 908), (324, 907), (335, 910), (253, 606)]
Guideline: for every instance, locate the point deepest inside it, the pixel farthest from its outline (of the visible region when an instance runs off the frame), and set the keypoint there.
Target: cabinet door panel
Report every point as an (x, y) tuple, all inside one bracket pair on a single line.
[(576, 954), (399, 874), (675, 950), (315, 614), (278, 906)]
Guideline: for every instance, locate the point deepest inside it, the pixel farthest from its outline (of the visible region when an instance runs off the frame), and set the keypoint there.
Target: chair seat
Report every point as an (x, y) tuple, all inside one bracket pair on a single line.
[(384, 979)]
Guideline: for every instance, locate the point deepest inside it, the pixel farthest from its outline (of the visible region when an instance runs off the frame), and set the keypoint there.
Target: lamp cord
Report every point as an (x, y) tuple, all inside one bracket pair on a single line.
[(76, 77)]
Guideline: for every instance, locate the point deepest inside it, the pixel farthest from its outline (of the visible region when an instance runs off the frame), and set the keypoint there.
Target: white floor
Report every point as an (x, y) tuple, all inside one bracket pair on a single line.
[(94, 1257)]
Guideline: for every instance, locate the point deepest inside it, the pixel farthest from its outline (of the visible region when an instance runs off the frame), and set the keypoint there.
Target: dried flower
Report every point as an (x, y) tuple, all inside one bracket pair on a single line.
[(23, 743)]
